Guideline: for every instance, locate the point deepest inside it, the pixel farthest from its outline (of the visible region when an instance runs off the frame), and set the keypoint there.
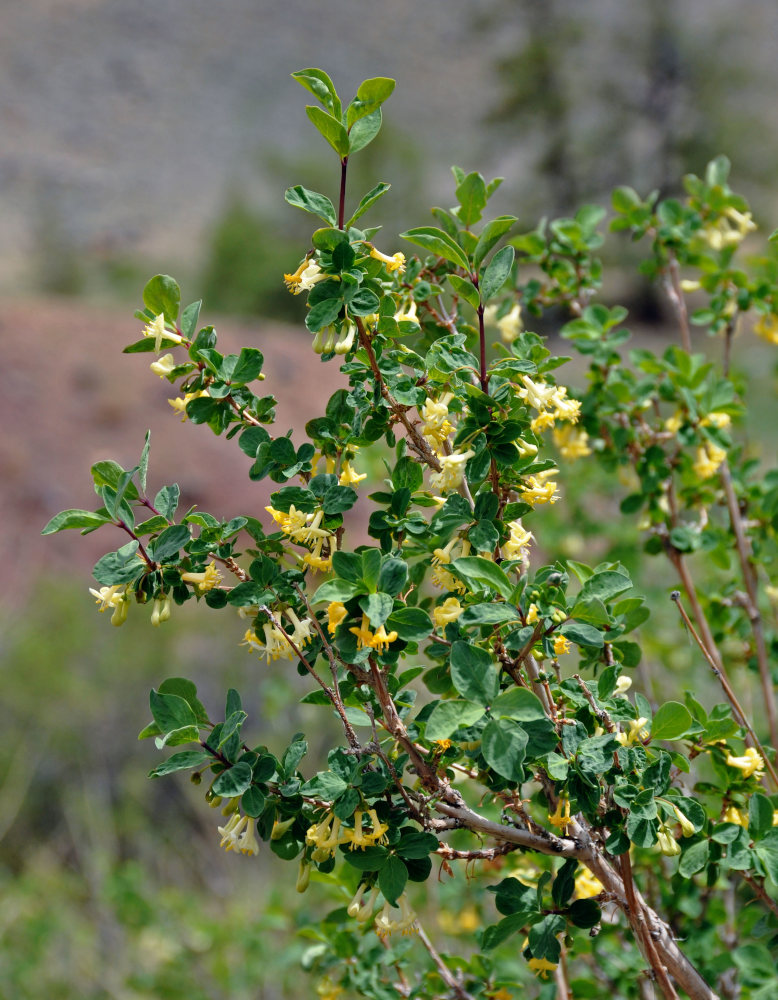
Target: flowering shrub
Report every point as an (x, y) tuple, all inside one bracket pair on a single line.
[(483, 688)]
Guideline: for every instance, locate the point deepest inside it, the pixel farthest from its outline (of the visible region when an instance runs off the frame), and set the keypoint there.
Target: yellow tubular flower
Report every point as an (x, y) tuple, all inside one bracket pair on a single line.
[(737, 816), (635, 734), (541, 967), (394, 263), (179, 404), (164, 366), (707, 460), (572, 443), (161, 611), (336, 612), (564, 408), (510, 325), (407, 315), (518, 541), (587, 885), (303, 876), (536, 394), (543, 420), (687, 827), (561, 645), (767, 328), (561, 815), (751, 763), (349, 475), (668, 845), (539, 492), (305, 277), (156, 329), (452, 472), (623, 684), (447, 612), (532, 614), (206, 580), (232, 831), (406, 924)]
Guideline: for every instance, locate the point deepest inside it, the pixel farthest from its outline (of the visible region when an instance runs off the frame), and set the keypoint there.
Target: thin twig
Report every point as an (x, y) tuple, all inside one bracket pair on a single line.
[(445, 973), (727, 688), (744, 552)]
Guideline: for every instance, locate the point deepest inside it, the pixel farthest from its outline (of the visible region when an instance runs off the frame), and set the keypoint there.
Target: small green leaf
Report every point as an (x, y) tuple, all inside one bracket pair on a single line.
[(438, 242), (604, 586), (162, 296), (465, 289), (169, 542), (471, 195), (694, 859), (543, 937), (481, 574), (489, 614), (496, 273), (368, 201), (491, 234), (364, 131), (370, 96), (760, 815), (392, 878), (583, 635), (143, 466), (234, 781), (312, 202), (671, 721), (448, 716), (322, 314), (331, 128), (519, 704), (74, 519), (122, 566), (377, 607), (181, 761), (369, 859), (170, 711), (473, 673), (410, 624), (503, 744), (318, 83)]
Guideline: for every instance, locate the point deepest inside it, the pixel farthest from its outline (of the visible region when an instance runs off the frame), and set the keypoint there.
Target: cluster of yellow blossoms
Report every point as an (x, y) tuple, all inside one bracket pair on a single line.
[(277, 646), (750, 764), (767, 328), (707, 460), (326, 835), (239, 835), (378, 640), (728, 231), (509, 325), (118, 596), (305, 528), (441, 558)]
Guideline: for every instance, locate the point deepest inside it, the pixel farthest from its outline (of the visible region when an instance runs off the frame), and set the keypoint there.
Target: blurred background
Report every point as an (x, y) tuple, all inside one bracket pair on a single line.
[(145, 137)]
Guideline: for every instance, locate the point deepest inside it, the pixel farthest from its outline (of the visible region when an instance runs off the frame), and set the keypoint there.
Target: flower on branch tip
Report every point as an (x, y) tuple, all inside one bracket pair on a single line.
[(336, 612), (766, 327), (408, 315), (349, 476), (324, 837), (394, 263), (441, 557), (406, 924), (205, 581), (156, 329), (164, 365), (536, 394), (564, 408), (447, 612), (238, 835), (452, 472), (327, 990), (707, 460), (587, 886), (751, 763), (301, 635), (561, 645), (161, 611)]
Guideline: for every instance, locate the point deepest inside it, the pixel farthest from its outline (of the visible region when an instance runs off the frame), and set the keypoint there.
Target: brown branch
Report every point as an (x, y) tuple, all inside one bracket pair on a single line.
[(445, 973), (415, 438), (727, 688), (745, 553), (637, 920)]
